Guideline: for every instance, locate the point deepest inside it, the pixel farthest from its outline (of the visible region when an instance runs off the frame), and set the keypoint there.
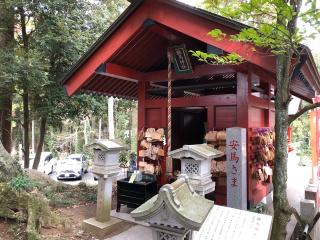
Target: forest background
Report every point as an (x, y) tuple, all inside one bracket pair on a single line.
[(39, 42)]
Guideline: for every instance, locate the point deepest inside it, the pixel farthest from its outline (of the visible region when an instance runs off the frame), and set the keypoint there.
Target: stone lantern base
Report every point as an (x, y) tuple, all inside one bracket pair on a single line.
[(203, 186), (103, 223), (100, 229)]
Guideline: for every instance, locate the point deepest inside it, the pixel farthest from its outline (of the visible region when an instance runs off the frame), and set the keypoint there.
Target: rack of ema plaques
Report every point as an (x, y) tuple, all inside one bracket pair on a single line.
[(175, 212), (196, 164)]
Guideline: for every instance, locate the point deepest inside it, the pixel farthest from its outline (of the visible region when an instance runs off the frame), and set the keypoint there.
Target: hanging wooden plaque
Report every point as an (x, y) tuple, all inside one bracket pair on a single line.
[(181, 60)]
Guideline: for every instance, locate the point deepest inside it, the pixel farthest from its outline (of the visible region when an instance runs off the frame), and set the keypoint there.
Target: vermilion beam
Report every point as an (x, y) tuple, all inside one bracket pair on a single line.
[(199, 71), (121, 72), (128, 74)]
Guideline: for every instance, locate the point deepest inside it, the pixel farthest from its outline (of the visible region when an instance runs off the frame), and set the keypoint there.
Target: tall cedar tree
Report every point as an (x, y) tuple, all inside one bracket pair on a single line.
[(6, 42)]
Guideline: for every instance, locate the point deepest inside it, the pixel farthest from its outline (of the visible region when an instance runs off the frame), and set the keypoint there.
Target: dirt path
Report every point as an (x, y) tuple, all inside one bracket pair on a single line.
[(76, 215), (4, 231)]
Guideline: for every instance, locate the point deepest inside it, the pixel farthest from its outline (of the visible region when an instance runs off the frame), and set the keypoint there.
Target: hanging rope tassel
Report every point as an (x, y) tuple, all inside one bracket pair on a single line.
[(169, 159)]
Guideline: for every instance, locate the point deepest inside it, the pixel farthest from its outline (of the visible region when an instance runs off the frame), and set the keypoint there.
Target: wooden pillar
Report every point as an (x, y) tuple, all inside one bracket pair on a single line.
[(268, 115), (210, 118), (142, 91), (243, 92)]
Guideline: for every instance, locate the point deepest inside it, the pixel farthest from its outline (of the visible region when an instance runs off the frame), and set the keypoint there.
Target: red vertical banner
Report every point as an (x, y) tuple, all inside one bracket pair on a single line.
[(317, 110), (313, 145), (289, 138)]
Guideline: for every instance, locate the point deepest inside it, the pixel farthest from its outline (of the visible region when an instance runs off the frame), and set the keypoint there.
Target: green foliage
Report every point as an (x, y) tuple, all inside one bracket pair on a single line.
[(123, 121), (214, 59), (22, 182), (260, 208), (301, 135), (123, 158), (66, 197), (217, 34), (269, 22), (59, 32), (132, 155)]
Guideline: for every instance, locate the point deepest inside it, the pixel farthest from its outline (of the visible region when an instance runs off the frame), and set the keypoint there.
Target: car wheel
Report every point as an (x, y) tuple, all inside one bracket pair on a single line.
[(80, 177)]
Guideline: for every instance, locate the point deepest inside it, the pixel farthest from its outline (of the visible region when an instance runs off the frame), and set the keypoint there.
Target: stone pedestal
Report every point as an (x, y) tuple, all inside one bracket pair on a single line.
[(100, 229), (104, 199), (103, 223)]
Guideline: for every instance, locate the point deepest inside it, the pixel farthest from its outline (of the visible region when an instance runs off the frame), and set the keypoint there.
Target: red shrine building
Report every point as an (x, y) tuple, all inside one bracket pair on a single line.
[(130, 61)]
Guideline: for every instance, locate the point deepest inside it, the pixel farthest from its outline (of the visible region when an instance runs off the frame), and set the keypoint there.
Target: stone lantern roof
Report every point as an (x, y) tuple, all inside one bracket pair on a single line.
[(107, 145), (176, 206), (198, 152)]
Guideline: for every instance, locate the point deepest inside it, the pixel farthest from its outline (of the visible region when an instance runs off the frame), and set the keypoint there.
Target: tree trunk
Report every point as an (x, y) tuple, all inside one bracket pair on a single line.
[(6, 42), (36, 162), (282, 210), (6, 114), (25, 94), (99, 134), (85, 135), (93, 127), (110, 117), (130, 127), (25, 99), (9, 168), (33, 137)]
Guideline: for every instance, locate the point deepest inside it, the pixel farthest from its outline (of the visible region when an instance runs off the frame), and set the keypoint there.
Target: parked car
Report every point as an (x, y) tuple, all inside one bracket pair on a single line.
[(47, 162), (72, 167)]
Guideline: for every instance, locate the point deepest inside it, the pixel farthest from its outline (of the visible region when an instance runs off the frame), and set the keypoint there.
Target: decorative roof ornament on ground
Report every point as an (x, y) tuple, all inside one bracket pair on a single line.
[(196, 164), (175, 212)]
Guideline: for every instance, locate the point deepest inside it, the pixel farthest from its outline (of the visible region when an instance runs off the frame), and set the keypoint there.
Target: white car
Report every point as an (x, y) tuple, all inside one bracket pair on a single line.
[(72, 167), (47, 162)]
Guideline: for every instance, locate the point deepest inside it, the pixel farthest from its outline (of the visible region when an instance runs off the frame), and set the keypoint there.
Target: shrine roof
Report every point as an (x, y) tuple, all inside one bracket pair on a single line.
[(180, 201), (134, 49), (197, 152)]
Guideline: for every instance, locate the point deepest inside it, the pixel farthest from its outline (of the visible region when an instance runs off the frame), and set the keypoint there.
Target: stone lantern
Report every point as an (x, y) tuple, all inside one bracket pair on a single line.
[(175, 212), (196, 164), (106, 167)]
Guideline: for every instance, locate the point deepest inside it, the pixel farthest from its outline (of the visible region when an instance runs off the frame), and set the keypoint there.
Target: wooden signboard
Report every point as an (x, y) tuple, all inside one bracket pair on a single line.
[(181, 59)]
